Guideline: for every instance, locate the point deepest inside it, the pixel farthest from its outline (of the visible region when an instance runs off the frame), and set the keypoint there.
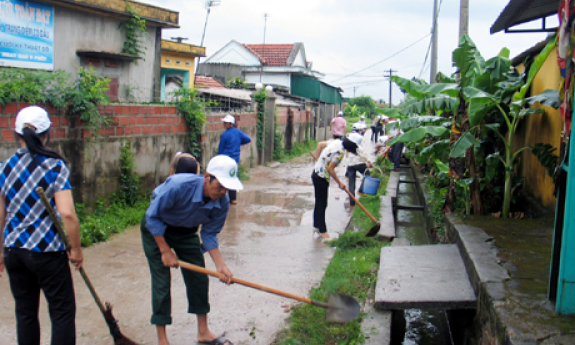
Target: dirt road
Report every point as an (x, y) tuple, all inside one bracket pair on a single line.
[(267, 239)]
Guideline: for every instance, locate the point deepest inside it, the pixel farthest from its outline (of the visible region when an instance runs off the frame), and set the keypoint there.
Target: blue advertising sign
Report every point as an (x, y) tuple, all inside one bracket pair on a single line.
[(26, 34)]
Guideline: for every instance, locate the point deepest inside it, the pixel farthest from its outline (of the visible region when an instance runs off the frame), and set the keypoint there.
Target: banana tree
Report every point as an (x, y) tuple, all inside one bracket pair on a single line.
[(482, 88)]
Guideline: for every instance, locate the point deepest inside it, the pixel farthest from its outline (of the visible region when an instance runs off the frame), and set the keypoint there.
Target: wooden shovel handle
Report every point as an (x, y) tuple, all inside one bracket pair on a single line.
[(206, 271), (64, 238), (360, 205)]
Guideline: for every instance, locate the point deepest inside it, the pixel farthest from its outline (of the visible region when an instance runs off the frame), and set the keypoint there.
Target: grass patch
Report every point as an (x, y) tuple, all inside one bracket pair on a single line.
[(97, 225), (297, 150), (352, 271)]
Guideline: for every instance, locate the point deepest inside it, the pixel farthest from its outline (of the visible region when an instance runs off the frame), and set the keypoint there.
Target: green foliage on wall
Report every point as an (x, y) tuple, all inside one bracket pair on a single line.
[(135, 30), (130, 190), (192, 109), (81, 97), (85, 97), (260, 98)]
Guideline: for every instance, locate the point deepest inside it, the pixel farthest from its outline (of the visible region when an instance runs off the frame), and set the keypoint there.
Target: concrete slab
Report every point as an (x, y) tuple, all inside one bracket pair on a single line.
[(376, 326), (392, 184), (386, 218), (431, 276)]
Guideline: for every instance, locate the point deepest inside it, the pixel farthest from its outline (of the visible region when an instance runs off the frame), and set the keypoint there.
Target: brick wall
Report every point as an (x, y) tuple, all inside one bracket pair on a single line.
[(156, 133)]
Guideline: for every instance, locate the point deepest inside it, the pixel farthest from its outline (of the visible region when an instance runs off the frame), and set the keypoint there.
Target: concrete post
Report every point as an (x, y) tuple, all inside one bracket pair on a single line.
[(269, 126)]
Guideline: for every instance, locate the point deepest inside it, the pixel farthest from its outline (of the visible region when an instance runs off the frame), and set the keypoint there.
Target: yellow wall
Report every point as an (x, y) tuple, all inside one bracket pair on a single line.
[(185, 54), (183, 58), (540, 128)]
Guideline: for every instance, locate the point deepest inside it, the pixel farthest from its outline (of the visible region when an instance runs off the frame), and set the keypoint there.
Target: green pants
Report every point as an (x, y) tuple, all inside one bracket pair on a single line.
[(186, 245)]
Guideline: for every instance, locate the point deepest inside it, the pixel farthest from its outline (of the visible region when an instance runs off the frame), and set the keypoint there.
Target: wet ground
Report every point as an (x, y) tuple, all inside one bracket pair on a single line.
[(267, 239)]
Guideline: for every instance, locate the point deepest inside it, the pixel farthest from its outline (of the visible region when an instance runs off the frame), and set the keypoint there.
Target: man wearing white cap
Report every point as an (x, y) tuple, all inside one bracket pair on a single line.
[(169, 233), (230, 144)]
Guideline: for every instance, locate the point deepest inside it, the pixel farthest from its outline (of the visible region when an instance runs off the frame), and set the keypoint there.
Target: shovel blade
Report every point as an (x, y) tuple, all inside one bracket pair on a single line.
[(374, 230), (341, 308)]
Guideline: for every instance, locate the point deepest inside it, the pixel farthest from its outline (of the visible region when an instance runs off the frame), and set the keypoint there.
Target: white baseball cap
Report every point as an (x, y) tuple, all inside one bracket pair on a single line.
[(355, 138), (362, 117), (340, 113), (225, 170), (33, 117), (229, 119)]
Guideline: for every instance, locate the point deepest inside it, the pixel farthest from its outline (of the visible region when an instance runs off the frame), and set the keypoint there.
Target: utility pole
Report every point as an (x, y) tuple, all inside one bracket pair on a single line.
[(209, 4), (354, 92), (434, 43), (390, 83), (264, 45), (463, 18)]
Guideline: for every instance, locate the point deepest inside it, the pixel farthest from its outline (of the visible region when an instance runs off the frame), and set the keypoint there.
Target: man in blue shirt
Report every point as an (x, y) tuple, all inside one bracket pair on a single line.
[(230, 144), (169, 233)]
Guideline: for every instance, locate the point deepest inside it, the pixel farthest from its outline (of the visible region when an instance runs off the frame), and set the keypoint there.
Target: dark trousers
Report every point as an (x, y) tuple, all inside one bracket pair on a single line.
[(351, 175), (336, 136), (373, 133), (233, 195), (30, 272), (378, 132), (321, 189), (396, 154), (186, 245)]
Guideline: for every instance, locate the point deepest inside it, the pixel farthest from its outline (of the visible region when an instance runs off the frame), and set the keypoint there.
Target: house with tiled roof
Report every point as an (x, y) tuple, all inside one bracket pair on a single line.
[(270, 64)]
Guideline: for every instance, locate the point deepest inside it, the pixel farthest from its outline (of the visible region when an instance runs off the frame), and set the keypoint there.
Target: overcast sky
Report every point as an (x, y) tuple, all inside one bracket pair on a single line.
[(342, 37)]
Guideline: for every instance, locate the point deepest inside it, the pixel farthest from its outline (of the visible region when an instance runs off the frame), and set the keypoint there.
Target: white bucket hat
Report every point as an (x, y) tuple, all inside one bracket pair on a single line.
[(225, 170), (229, 119), (355, 138), (32, 117)]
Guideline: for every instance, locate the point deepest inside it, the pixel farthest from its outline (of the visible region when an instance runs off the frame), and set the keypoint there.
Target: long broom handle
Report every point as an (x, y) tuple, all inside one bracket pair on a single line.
[(247, 283), (360, 205), (353, 197), (64, 238)]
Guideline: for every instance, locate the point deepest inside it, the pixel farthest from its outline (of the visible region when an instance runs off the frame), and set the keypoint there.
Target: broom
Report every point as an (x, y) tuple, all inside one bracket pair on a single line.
[(119, 338)]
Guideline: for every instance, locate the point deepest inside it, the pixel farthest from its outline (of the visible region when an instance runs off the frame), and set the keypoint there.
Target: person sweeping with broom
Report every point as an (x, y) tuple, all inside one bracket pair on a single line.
[(169, 233), (34, 254)]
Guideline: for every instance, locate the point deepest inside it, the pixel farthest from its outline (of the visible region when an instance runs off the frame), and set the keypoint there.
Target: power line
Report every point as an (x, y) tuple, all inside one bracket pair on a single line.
[(387, 58)]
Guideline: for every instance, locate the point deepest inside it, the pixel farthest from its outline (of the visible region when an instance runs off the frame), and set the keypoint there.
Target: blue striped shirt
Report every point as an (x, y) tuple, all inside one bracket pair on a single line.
[(179, 202), (28, 223)]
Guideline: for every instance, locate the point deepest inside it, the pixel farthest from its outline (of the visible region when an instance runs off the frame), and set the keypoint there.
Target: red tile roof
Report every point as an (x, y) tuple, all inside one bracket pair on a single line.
[(205, 82), (271, 54)]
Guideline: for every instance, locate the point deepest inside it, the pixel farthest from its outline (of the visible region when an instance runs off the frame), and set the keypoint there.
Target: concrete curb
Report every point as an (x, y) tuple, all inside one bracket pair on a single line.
[(487, 277)]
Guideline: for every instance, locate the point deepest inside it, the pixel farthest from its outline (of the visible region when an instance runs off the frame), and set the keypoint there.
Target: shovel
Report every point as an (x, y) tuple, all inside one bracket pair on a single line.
[(119, 338), (375, 229), (339, 308)]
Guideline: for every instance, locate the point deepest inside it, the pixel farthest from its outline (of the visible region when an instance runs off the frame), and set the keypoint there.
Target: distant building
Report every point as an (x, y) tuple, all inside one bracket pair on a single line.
[(178, 63), (270, 64)]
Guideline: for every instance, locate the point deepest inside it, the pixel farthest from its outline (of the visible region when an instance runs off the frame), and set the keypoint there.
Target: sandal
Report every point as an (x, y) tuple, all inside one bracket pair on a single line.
[(233, 202), (217, 341)]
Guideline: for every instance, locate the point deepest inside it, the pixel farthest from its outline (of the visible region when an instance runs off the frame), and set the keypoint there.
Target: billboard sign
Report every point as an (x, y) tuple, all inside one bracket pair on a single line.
[(26, 34)]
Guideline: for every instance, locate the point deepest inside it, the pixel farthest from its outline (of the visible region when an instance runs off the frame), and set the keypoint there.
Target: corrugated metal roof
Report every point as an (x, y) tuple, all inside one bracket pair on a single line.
[(271, 54), (522, 11)]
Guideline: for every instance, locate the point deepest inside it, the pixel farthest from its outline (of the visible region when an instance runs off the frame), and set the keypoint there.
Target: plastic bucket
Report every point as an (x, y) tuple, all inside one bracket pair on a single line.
[(371, 185)]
